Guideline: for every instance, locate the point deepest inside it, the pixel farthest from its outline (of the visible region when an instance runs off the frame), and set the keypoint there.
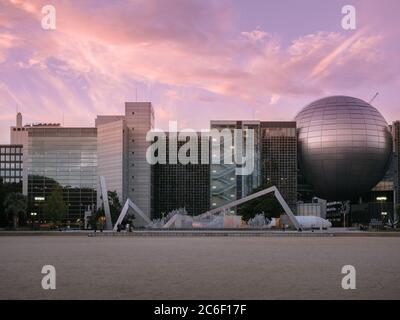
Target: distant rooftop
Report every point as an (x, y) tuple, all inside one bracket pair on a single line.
[(43, 125)]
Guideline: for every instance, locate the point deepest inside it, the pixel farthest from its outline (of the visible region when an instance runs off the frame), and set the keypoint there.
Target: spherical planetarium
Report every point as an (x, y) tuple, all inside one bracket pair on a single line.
[(344, 146)]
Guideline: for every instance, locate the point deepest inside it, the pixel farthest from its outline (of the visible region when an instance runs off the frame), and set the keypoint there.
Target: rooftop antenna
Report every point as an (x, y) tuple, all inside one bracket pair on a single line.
[(63, 119), (136, 93), (373, 98)]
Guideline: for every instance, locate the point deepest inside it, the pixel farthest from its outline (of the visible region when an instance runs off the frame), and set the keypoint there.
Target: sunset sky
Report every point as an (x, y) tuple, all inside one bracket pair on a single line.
[(195, 60)]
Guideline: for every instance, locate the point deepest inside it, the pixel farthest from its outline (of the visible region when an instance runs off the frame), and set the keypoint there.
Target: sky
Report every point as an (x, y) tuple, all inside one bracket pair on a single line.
[(195, 60)]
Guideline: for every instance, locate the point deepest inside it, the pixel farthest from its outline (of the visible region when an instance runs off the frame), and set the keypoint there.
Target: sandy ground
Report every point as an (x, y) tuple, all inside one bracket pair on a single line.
[(199, 268)]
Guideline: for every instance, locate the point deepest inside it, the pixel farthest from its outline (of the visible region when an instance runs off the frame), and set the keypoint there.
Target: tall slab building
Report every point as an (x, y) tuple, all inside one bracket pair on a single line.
[(275, 162), (178, 185), (122, 150), (279, 158), (226, 186)]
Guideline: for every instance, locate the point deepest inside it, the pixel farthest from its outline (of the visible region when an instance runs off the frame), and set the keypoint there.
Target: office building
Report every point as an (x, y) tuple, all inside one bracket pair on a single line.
[(66, 157), (54, 155), (181, 186), (279, 158), (226, 186), (11, 163), (122, 150), (275, 162)]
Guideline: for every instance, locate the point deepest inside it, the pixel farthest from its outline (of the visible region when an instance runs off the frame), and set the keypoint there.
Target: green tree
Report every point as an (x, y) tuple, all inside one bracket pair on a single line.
[(115, 207), (5, 189), (55, 208), (267, 204), (15, 205)]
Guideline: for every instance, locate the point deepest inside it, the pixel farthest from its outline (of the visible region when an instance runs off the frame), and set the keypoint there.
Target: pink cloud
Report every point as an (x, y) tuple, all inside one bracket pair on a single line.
[(178, 53)]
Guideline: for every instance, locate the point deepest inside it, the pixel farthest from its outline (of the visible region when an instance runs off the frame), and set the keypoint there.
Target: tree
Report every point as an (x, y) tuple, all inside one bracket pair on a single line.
[(55, 208), (115, 206), (15, 205), (5, 189), (267, 204)]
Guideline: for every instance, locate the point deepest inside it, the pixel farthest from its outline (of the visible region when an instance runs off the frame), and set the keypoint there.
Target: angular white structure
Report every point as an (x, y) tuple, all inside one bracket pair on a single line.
[(122, 149), (272, 189), (106, 206), (137, 211)]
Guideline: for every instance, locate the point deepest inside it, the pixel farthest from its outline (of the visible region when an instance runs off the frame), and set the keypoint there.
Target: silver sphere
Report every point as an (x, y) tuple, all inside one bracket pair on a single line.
[(344, 146)]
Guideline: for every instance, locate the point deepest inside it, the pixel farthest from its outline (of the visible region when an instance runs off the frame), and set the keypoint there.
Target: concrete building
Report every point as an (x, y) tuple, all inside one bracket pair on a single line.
[(122, 150)]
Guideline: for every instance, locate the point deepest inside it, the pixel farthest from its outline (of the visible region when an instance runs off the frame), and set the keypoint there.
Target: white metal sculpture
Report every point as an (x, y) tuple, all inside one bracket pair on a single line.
[(136, 210), (273, 189), (106, 206)]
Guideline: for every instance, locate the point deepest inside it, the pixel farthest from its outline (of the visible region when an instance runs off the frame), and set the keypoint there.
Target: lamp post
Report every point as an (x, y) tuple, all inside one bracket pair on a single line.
[(33, 215), (382, 200), (384, 214)]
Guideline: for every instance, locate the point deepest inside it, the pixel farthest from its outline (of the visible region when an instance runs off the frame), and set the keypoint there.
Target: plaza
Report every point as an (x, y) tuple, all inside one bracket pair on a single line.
[(199, 267)]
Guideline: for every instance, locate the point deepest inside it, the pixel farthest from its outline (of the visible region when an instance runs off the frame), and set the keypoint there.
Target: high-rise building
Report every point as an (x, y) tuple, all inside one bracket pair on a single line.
[(181, 186), (275, 162), (66, 157), (226, 186), (279, 158), (122, 150), (54, 155), (11, 164)]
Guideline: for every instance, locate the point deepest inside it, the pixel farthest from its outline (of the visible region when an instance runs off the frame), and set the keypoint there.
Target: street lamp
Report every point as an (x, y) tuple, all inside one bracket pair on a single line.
[(384, 214), (33, 215), (381, 200)]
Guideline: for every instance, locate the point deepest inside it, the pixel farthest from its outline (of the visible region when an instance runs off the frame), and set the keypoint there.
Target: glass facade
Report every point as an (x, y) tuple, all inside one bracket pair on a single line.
[(11, 163), (177, 186), (66, 157), (226, 186), (279, 158)]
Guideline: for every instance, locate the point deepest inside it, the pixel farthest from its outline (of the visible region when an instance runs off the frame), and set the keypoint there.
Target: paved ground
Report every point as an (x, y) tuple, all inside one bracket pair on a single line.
[(199, 268)]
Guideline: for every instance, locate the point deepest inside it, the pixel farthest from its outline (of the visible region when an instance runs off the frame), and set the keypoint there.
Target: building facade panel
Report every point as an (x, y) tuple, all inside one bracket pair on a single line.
[(66, 157), (181, 186), (279, 158), (11, 163), (226, 185), (110, 153)]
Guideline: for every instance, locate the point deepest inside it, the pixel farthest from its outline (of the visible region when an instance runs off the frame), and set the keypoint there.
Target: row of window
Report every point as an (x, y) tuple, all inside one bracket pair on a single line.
[(11, 165), (10, 150)]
